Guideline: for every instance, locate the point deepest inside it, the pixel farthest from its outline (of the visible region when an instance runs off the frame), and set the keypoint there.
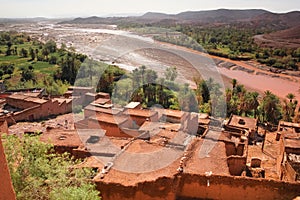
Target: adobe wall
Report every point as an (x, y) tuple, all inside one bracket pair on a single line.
[(188, 186), (222, 187), (6, 188), (54, 108), (19, 103), (291, 174), (3, 127), (89, 113), (140, 120), (231, 149), (82, 124), (280, 157), (161, 189), (112, 130), (28, 114), (293, 150), (40, 111), (236, 165), (233, 129)]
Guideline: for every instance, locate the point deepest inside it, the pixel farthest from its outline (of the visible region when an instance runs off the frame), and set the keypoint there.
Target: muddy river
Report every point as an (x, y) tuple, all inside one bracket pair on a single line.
[(130, 50)]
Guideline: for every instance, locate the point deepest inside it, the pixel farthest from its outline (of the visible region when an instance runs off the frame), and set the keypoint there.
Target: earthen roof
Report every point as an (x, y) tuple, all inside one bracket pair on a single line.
[(102, 110), (27, 98), (173, 113), (80, 88), (132, 105), (101, 101), (62, 138), (289, 124), (249, 123), (292, 143), (141, 112), (111, 119)]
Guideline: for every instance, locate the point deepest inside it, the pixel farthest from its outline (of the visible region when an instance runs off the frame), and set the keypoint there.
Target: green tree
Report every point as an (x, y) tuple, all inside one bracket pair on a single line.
[(32, 53), (53, 60), (187, 99), (23, 53), (50, 46), (8, 51), (289, 107), (27, 74), (171, 73), (270, 108), (290, 96), (150, 91), (39, 173)]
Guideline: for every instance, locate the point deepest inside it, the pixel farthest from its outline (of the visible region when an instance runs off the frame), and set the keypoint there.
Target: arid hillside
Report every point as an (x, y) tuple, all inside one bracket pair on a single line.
[(289, 38)]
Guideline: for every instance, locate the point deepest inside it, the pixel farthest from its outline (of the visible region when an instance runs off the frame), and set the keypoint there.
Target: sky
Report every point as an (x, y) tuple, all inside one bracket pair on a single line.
[(75, 8)]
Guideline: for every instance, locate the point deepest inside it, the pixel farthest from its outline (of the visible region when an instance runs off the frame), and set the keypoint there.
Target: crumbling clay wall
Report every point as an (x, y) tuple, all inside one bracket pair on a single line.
[(231, 149), (20, 103), (6, 188), (222, 187), (161, 189), (188, 186), (236, 165)]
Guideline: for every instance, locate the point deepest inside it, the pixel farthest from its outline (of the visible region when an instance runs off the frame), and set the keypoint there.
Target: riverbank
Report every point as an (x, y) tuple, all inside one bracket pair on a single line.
[(136, 50)]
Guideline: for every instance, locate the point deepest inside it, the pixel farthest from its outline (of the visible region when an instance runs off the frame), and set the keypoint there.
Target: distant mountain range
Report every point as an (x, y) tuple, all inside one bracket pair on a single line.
[(252, 17)]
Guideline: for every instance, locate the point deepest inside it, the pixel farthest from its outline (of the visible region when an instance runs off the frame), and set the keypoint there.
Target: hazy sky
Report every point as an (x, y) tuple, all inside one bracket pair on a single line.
[(70, 8)]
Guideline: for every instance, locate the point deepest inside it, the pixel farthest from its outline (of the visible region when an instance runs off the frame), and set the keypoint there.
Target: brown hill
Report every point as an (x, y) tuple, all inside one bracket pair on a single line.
[(279, 21), (285, 38), (215, 16), (220, 15)]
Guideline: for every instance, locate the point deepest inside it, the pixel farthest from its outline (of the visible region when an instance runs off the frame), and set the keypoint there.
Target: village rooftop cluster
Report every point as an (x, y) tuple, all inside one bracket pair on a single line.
[(130, 145)]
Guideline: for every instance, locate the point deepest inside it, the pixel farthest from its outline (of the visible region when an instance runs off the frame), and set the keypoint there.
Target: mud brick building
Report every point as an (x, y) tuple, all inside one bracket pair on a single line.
[(26, 107), (288, 162), (242, 125)]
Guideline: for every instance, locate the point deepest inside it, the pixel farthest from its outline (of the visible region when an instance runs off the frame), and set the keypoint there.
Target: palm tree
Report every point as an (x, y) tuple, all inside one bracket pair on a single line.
[(290, 96), (160, 88), (234, 83), (270, 107), (151, 77), (143, 69), (254, 102)]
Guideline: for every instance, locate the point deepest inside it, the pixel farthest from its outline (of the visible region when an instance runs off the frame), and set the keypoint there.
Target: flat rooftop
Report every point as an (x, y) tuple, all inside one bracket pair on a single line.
[(140, 112), (59, 137), (208, 156), (147, 160), (27, 98), (80, 88), (101, 101), (110, 119), (99, 109), (132, 105), (243, 122), (289, 124), (173, 113)]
